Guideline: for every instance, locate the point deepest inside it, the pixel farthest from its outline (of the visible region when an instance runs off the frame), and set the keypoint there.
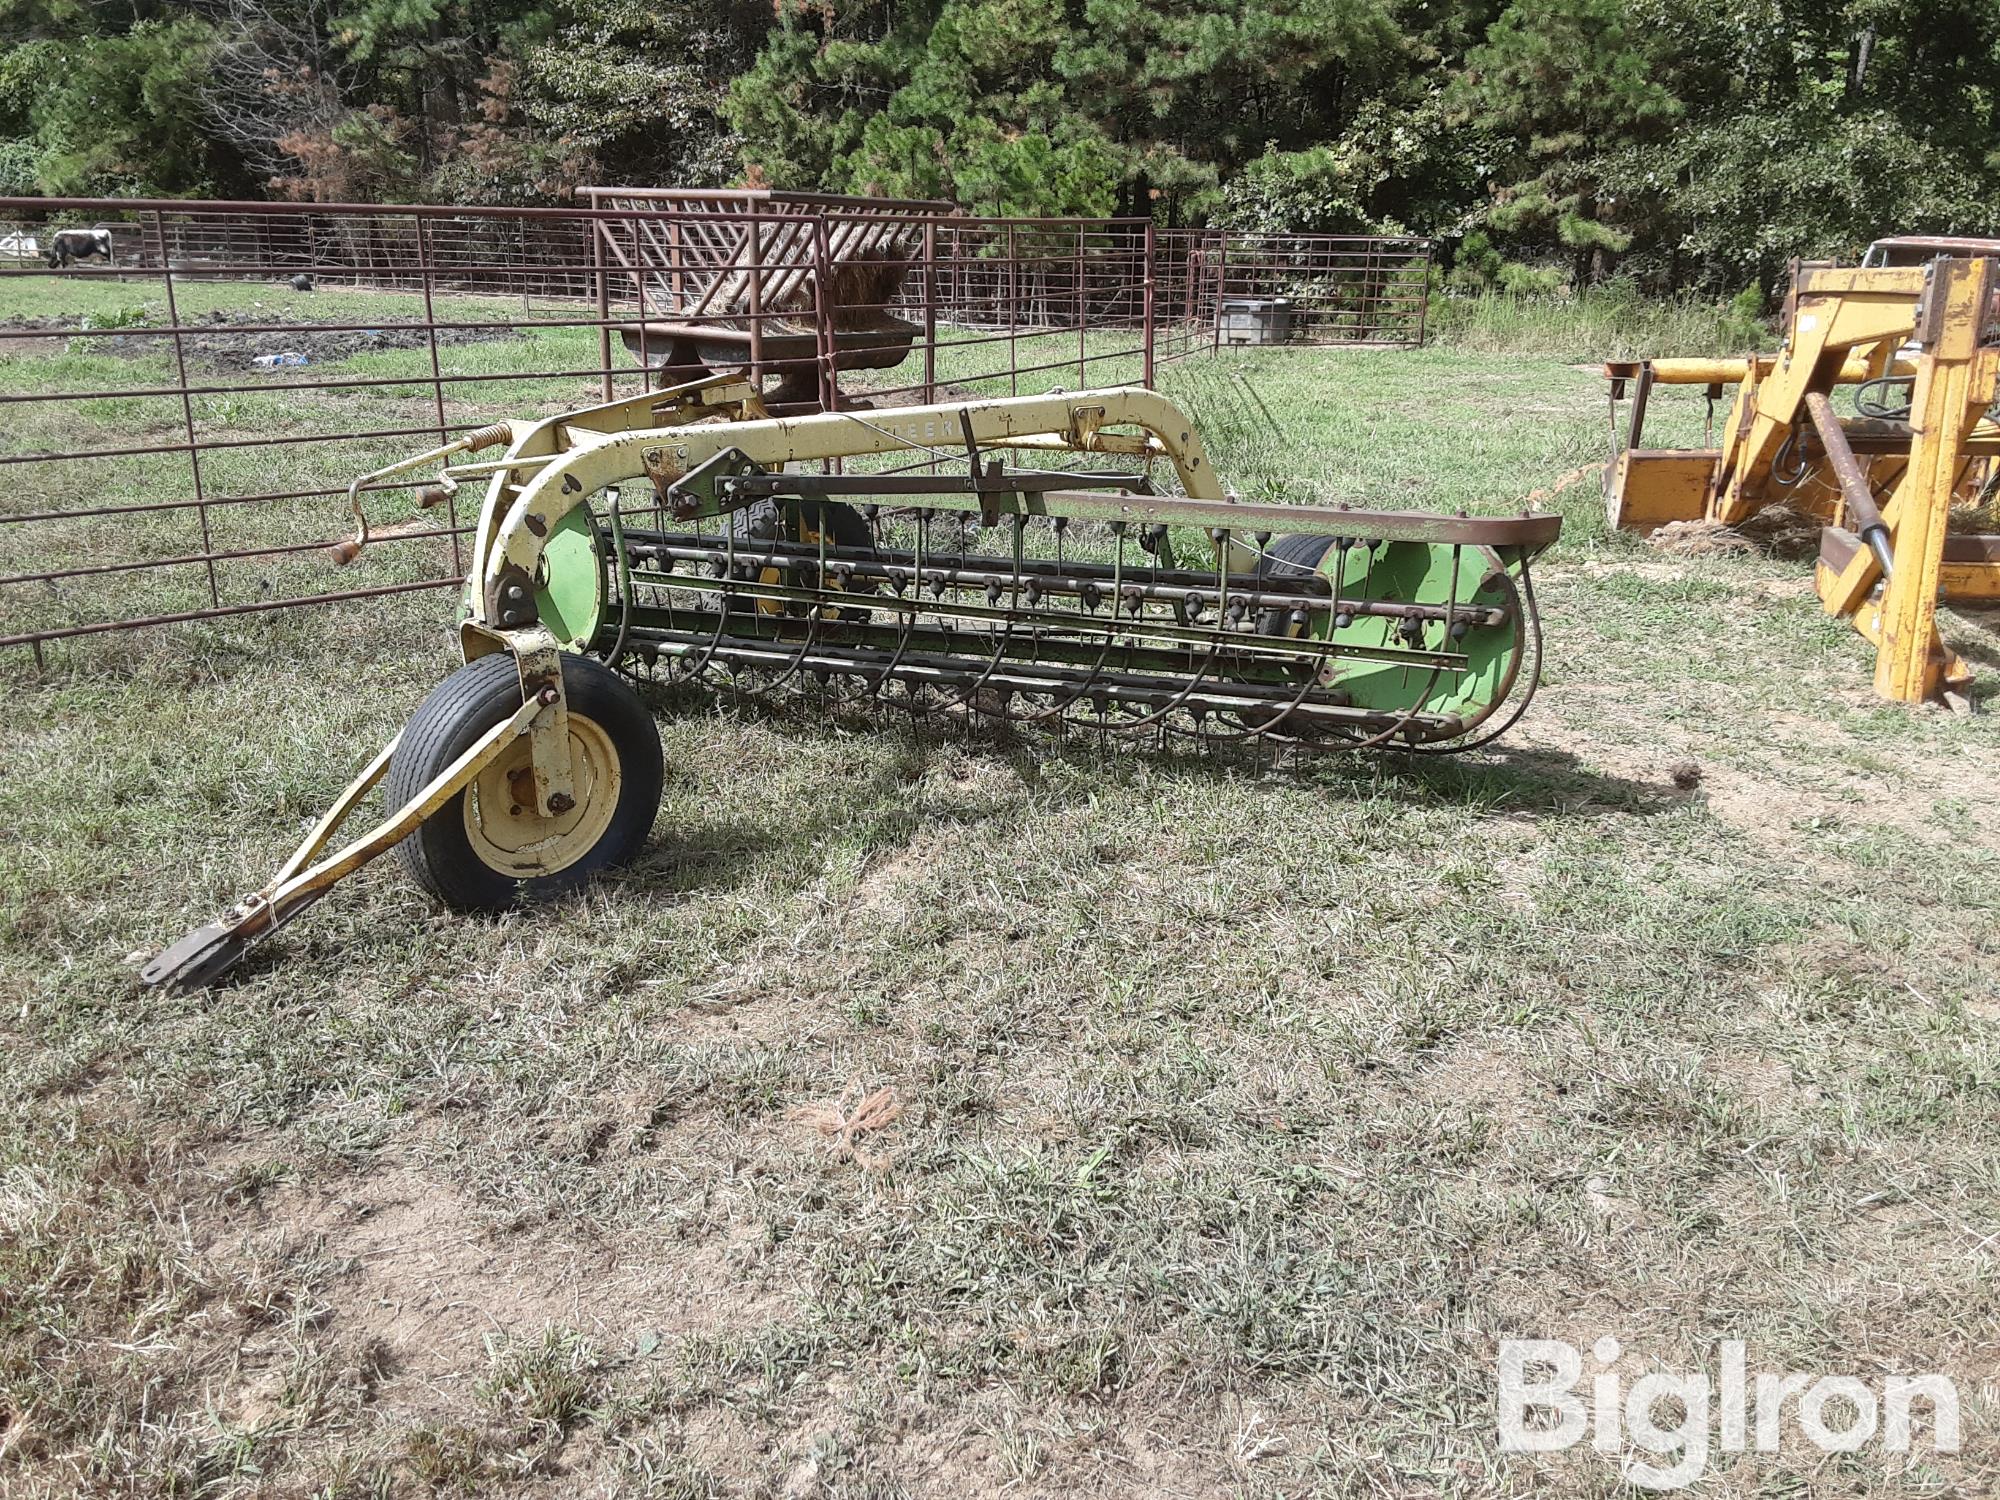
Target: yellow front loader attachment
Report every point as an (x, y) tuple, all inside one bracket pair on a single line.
[(1914, 353)]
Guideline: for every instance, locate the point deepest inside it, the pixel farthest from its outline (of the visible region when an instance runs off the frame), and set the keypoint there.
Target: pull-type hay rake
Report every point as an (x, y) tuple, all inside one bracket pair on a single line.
[(949, 581)]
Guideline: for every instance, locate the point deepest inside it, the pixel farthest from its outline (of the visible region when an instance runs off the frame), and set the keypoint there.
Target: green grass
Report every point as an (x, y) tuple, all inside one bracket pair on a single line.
[(1243, 1110), (1612, 322)]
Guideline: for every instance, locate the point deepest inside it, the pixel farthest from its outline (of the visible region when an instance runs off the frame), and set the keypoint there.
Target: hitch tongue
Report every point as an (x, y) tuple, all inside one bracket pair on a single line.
[(214, 948), (211, 950), (198, 959)]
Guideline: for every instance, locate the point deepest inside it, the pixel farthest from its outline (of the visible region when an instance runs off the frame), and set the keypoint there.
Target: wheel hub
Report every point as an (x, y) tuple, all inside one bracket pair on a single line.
[(502, 825)]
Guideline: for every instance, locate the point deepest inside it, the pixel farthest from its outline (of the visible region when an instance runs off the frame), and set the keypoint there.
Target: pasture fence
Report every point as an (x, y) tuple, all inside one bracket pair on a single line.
[(184, 419)]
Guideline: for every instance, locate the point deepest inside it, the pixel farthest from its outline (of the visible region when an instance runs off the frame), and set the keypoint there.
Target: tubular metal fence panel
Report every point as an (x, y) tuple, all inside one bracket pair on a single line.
[(237, 363), (1336, 289), (1184, 293), (179, 426), (1339, 289)]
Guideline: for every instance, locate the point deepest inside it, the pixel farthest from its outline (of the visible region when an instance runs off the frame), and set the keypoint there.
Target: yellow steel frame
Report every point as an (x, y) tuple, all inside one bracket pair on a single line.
[(300, 881), (1936, 323), (554, 466)]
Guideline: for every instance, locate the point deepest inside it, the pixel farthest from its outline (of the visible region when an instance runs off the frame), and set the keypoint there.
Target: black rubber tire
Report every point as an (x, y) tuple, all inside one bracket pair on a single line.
[(843, 524), (847, 529), (458, 711), (1302, 549), (1283, 559)]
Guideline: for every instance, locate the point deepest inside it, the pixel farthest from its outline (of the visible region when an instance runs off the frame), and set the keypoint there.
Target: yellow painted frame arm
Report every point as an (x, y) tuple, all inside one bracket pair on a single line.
[(510, 552)]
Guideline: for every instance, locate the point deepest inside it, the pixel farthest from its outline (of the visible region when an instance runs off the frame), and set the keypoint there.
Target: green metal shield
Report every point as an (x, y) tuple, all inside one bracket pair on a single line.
[(1424, 573), (571, 598)]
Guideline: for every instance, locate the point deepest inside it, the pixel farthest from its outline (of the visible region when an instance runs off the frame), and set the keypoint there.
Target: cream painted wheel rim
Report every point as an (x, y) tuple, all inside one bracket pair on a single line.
[(500, 819)]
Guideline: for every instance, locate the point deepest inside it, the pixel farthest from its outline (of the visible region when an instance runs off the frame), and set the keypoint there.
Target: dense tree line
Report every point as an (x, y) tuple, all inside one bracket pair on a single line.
[(1684, 142)]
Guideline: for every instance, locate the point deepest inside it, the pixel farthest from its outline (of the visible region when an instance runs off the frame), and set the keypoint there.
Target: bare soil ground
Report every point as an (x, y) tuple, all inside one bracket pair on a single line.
[(233, 339)]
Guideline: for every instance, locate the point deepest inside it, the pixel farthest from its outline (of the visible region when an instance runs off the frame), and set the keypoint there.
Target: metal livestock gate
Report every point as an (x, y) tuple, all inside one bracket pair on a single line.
[(251, 357)]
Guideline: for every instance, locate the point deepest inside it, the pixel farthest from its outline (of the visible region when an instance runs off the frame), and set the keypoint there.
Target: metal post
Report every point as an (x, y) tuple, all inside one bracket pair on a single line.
[(756, 253), (930, 311), (1013, 313), (1221, 286), (636, 267), (824, 332), (1146, 309), (645, 306), (1424, 295), (187, 405), (527, 277), (425, 265), (604, 303), (1082, 379)]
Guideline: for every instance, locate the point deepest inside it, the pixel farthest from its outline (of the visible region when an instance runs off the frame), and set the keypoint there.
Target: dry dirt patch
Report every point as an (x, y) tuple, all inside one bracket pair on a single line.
[(421, 1275)]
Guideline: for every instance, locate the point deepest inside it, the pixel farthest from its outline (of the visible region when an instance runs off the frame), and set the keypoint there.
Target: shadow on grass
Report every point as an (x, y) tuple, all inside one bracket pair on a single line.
[(1978, 641), (1497, 779), (1538, 780), (728, 853)]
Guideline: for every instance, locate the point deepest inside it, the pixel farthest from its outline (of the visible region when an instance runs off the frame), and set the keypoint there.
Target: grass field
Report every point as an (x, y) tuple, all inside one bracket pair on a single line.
[(1240, 1111)]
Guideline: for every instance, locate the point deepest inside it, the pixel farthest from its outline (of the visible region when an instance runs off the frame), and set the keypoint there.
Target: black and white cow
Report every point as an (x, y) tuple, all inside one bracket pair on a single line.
[(68, 246)]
